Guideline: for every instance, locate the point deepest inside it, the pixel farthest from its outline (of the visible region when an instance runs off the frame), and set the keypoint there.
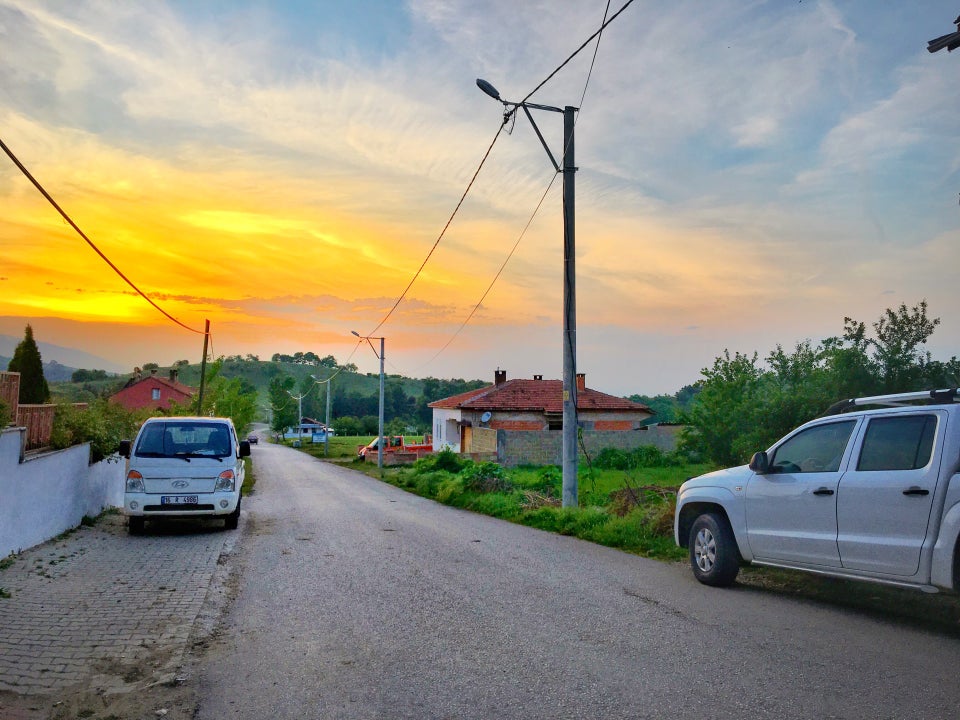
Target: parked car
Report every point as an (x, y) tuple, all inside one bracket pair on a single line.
[(184, 467), (253, 439), (871, 495)]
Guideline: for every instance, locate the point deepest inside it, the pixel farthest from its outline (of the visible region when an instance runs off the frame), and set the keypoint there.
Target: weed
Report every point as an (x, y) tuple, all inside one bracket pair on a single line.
[(5, 594), (8, 561), (88, 521)]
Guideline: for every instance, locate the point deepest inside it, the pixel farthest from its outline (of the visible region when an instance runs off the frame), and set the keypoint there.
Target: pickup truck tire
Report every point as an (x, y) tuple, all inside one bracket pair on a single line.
[(713, 550), (135, 525)]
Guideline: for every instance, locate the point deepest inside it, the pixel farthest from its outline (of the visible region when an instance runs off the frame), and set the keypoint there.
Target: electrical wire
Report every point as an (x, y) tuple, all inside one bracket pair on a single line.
[(107, 260), (553, 178), (442, 233), (577, 51)]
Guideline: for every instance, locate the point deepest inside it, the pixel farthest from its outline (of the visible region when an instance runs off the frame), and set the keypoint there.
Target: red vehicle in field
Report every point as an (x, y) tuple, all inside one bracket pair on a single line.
[(394, 444)]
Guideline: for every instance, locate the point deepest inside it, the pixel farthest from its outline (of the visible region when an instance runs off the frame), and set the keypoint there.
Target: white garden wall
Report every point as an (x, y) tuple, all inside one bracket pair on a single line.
[(47, 493)]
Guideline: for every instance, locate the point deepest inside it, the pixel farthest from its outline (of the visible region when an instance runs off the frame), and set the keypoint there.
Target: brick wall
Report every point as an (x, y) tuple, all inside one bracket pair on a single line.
[(545, 447)]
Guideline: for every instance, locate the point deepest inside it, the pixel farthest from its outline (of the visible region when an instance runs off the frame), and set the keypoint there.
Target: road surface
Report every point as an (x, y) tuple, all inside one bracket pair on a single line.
[(358, 600)]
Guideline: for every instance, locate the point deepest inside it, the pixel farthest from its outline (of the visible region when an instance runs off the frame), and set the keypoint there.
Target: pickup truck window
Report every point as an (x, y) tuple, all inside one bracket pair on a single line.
[(898, 443), (816, 449)]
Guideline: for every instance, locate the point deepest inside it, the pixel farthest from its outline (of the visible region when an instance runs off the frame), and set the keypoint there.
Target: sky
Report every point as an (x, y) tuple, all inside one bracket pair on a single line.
[(749, 174)]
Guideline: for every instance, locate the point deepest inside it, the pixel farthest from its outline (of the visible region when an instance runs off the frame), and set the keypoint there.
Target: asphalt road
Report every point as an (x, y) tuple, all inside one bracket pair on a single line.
[(358, 600)]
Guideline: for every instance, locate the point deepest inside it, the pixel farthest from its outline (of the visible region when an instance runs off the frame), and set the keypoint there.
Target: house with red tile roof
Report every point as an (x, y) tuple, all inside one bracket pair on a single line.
[(153, 392), (462, 422)]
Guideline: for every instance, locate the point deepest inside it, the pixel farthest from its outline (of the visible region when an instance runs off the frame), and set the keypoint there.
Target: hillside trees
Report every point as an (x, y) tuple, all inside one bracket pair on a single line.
[(26, 360), (234, 398), (745, 405)]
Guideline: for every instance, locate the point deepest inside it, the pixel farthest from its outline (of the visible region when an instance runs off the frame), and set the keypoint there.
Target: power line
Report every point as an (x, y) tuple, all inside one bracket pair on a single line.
[(577, 51), (442, 233), (536, 210), (107, 260)]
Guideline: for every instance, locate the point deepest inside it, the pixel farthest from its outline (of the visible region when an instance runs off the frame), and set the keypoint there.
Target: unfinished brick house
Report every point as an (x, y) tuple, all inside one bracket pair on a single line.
[(468, 422)]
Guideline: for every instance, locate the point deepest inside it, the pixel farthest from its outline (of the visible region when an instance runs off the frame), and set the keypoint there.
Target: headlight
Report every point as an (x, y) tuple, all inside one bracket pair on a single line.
[(135, 482), (226, 482)]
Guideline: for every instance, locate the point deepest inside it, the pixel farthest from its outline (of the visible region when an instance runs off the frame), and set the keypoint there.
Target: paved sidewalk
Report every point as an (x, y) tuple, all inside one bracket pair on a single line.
[(104, 608)]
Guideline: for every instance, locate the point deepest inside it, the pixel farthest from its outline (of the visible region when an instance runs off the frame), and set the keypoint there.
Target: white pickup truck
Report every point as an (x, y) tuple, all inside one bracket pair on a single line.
[(870, 495)]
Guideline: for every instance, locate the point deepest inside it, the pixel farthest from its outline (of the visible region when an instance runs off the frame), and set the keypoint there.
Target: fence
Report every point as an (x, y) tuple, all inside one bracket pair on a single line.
[(10, 391), (38, 420)]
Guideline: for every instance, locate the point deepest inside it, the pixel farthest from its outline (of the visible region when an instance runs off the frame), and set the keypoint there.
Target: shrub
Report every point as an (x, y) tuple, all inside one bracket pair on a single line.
[(102, 424), (5, 417), (446, 460), (485, 477)]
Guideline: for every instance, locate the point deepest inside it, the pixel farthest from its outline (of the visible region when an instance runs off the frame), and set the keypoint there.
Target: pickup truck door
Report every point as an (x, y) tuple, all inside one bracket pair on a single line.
[(884, 500), (792, 509)]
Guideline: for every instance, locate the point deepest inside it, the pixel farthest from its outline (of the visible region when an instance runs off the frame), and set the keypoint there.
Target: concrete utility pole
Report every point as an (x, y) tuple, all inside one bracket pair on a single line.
[(382, 357), (203, 367), (326, 435), (570, 422)]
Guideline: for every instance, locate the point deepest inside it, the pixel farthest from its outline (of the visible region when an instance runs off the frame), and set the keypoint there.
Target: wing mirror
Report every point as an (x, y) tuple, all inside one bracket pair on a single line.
[(124, 449), (244, 448), (760, 463)]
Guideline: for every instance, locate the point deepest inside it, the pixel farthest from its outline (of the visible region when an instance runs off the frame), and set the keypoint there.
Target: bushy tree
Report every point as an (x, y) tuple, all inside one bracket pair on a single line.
[(26, 360), (743, 406), (283, 407), (235, 398), (102, 424)]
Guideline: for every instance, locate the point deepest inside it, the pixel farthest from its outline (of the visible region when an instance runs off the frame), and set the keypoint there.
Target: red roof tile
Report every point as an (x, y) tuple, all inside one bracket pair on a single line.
[(537, 395)]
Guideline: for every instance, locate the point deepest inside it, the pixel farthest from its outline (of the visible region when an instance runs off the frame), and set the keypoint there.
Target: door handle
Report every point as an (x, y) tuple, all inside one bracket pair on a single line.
[(823, 491), (916, 491)]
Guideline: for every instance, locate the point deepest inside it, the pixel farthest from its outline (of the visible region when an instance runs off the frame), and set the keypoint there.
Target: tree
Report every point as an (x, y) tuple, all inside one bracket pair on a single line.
[(147, 367), (743, 407), (26, 360), (283, 407)]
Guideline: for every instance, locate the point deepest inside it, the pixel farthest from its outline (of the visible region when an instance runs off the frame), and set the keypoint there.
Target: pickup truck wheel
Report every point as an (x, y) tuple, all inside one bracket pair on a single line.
[(135, 525), (713, 551)]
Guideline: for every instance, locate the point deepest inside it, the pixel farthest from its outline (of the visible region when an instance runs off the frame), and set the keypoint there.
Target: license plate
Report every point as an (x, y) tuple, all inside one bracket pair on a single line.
[(178, 499)]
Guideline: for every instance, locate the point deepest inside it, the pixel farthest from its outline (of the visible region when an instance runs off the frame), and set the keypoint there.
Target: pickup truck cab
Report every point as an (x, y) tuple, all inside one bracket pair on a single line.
[(871, 495), (184, 467)]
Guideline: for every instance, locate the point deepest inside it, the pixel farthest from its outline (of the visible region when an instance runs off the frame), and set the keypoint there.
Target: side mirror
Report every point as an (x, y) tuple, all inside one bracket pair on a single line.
[(244, 448), (124, 448), (760, 463)]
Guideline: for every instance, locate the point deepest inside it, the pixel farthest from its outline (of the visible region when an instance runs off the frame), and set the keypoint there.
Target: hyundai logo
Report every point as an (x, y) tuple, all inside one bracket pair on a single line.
[(180, 483)]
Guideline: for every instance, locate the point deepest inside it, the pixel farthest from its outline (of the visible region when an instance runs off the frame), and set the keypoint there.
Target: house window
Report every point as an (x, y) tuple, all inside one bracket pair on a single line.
[(155, 394)]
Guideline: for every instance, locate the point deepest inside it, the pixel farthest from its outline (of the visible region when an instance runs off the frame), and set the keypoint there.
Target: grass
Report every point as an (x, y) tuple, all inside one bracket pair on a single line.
[(249, 477)]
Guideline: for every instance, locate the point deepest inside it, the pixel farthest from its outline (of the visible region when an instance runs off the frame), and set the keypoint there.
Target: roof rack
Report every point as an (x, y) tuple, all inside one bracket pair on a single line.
[(933, 397)]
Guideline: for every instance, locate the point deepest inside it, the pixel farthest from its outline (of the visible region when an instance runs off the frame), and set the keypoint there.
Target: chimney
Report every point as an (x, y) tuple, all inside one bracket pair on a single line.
[(153, 371), (137, 373), (173, 374), (538, 377), (581, 381), (499, 377)]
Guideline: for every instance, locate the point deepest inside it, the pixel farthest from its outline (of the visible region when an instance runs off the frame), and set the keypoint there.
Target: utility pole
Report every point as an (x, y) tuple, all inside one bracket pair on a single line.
[(380, 442), (326, 435), (570, 423), (203, 367)]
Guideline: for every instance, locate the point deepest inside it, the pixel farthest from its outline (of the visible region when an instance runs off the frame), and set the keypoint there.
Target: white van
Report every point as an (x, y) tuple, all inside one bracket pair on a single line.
[(184, 467)]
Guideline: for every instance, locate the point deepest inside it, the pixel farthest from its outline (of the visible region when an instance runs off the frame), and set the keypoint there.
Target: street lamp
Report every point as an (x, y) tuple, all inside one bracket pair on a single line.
[(299, 399), (381, 356), (326, 434), (570, 498)]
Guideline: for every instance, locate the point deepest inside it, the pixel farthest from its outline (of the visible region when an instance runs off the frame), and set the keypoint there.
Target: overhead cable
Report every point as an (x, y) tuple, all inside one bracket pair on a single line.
[(89, 241)]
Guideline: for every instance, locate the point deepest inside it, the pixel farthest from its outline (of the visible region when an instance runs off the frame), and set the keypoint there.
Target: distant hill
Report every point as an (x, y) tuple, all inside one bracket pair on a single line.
[(52, 371), (65, 356)]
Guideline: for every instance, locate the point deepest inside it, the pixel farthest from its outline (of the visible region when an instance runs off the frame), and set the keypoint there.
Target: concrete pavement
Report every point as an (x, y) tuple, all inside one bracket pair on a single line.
[(105, 609)]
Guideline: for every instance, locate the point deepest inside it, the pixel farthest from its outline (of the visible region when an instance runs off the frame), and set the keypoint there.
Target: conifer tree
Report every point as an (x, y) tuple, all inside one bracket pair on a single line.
[(26, 361)]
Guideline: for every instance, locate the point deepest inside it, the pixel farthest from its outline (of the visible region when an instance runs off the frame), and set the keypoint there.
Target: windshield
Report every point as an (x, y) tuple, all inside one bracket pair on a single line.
[(185, 439)]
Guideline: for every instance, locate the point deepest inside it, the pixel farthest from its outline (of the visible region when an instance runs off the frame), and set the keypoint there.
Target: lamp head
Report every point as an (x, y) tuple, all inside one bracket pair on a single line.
[(488, 89), (354, 332)]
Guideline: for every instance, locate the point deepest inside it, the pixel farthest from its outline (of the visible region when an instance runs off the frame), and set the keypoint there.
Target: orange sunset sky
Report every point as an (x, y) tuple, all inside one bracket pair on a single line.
[(749, 174)]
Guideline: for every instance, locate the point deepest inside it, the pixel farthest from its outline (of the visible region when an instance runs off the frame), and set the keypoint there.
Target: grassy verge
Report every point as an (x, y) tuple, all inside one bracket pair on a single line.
[(249, 477)]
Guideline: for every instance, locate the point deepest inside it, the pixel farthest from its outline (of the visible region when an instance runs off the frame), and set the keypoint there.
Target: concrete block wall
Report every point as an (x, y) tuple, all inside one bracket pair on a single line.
[(49, 493), (545, 447)]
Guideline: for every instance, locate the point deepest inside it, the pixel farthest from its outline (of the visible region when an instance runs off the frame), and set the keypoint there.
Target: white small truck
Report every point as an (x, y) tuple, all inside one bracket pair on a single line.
[(870, 495)]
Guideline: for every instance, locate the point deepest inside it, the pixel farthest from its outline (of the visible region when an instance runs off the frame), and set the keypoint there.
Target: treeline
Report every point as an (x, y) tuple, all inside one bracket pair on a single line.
[(357, 413), (745, 404)]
